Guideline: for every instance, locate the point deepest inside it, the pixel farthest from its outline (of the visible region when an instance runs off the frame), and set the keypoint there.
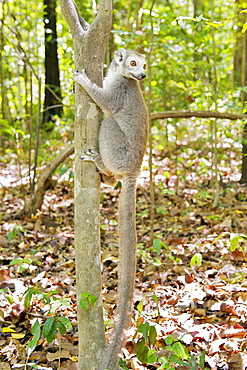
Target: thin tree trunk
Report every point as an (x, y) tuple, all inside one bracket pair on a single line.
[(52, 80), (89, 45)]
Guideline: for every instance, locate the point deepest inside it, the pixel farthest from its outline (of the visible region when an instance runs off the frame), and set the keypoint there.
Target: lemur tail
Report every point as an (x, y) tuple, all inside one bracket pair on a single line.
[(127, 255)]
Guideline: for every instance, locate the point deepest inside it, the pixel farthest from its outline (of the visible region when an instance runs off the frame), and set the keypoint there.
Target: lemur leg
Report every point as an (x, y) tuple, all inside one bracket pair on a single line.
[(95, 157), (92, 156)]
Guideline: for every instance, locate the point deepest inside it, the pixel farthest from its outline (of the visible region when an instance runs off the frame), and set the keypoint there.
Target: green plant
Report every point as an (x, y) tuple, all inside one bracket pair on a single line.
[(235, 241), (53, 323), (196, 260), (178, 354), (87, 299), (145, 354), (159, 245), (16, 231), (23, 264)]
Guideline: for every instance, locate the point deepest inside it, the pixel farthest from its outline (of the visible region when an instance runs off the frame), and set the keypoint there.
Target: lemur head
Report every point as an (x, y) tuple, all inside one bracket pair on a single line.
[(131, 64)]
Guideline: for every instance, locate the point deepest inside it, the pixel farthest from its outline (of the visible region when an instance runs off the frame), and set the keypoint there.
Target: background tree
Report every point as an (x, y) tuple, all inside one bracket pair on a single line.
[(52, 104), (240, 76)]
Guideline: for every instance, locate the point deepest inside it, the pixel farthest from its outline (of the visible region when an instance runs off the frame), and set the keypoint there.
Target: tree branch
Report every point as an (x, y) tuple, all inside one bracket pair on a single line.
[(200, 114), (78, 26), (36, 200)]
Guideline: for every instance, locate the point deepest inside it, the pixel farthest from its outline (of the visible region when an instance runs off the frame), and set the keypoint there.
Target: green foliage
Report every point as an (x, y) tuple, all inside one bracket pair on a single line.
[(23, 264), (178, 355), (52, 324), (36, 336), (144, 353), (196, 260), (177, 351), (16, 231), (234, 242), (87, 300)]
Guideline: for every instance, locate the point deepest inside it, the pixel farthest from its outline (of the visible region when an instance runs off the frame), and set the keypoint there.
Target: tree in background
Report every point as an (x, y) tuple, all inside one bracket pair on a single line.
[(52, 105), (240, 77)]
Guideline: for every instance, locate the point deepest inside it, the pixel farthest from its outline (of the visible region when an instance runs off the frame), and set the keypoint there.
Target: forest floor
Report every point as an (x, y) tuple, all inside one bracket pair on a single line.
[(191, 284)]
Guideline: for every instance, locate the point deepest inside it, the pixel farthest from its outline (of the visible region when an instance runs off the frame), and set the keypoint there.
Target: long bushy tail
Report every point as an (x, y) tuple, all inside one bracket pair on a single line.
[(127, 269)]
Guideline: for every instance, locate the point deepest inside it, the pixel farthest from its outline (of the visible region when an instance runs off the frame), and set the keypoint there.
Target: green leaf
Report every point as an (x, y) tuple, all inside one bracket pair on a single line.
[(66, 322), (84, 304), (196, 260), (11, 235), (140, 305), (144, 329), (15, 261), (193, 363), (63, 170), (92, 299), (180, 350), (61, 327), (87, 299), (169, 340), (180, 362), (122, 364), (234, 242), (168, 191), (28, 297), (202, 360), (142, 351), (152, 335), (151, 356), (36, 333), (50, 329), (158, 246)]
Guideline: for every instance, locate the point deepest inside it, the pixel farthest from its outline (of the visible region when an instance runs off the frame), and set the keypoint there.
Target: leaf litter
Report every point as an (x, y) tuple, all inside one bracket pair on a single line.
[(190, 285)]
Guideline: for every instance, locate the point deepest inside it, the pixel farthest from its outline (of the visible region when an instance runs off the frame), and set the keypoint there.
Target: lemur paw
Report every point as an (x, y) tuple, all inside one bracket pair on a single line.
[(85, 158), (91, 153), (83, 71)]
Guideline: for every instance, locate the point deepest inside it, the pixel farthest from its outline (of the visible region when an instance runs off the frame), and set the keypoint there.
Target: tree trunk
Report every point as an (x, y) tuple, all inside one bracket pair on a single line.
[(5, 109), (89, 45), (52, 104), (240, 77)]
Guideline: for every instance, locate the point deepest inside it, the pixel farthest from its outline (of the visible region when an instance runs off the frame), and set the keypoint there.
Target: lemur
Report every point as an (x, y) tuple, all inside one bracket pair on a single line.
[(122, 144)]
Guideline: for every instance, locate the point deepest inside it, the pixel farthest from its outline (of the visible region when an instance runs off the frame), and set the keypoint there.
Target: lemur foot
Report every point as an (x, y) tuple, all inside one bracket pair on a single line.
[(78, 76), (86, 158), (83, 71), (91, 153)]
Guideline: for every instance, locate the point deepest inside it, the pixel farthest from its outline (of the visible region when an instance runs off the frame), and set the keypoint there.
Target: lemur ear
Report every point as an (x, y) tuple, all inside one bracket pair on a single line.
[(120, 54)]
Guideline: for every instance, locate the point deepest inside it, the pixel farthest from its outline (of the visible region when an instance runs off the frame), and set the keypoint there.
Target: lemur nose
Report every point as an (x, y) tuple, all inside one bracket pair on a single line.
[(142, 76)]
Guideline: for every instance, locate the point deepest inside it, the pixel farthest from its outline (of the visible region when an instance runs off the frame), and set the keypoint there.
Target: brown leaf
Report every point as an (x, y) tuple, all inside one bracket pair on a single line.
[(4, 366), (57, 355), (228, 308)]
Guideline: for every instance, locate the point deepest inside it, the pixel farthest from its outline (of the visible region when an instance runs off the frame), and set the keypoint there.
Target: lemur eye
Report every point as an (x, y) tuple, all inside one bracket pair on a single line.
[(144, 66), (133, 63)]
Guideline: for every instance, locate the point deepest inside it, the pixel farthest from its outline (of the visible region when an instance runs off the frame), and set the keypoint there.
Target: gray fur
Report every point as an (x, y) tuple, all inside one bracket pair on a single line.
[(122, 144)]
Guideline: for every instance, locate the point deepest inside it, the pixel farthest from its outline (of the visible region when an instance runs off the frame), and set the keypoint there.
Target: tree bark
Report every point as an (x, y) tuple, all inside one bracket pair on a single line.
[(52, 104), (36, 200), (89, 46)]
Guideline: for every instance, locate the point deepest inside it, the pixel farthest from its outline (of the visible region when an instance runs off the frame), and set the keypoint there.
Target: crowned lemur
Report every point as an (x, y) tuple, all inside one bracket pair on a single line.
[(122, 143)]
